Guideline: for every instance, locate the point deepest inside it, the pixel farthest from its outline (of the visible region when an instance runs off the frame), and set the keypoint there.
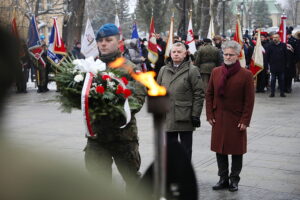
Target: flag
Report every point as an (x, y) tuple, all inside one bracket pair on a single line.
[(239, 38), (170, 38), (34, 44), (56, 51), (117, 23), (88, 42), (135, 35), (152, 45), (190, 38), (257, 60), (14, 28), (282, 29), (211, 29)]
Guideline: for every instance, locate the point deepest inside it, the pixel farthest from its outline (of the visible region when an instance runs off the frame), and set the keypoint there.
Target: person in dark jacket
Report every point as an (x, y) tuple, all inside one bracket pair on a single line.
[(290, 71), (161, 47), (277, 60), (207, 58), (262, 76), (76, 51)]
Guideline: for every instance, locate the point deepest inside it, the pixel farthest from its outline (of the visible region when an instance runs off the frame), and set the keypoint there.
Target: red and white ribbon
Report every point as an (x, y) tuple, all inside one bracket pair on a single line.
[(85, 104)]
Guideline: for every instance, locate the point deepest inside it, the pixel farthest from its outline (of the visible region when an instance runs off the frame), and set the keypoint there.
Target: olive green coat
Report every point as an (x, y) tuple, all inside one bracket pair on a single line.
[(184, 86), (207, 58)]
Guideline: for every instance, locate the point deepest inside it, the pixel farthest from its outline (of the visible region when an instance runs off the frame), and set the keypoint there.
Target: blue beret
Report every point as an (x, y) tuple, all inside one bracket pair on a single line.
[(107, 30)]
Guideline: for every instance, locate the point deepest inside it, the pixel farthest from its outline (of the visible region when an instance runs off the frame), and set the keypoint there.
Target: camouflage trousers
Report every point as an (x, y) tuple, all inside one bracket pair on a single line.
[(99, 158)]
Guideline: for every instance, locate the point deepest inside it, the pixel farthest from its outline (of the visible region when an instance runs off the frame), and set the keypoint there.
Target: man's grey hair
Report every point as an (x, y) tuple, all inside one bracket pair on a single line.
[(231, 44), (178, 44)]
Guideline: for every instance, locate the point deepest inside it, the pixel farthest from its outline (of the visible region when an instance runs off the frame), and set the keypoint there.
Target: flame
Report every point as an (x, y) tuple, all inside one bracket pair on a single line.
[(145, 78)]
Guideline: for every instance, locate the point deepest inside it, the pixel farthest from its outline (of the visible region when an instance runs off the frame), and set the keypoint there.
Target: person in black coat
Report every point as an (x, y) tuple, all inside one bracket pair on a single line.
[(262, 76), (161, 47), (277, 60), (290, 71)]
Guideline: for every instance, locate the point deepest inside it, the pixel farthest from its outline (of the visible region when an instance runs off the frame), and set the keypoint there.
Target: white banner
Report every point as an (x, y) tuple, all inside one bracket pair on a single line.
[(88, 42)]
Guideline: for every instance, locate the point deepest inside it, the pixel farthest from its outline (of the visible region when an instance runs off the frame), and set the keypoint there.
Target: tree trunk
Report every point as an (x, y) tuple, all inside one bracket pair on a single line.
[(205, 18), (73, 21), (214, 13), (185, 6)]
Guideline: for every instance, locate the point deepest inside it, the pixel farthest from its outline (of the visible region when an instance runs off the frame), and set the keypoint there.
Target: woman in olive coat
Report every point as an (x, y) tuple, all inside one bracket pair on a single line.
[(229, 106)]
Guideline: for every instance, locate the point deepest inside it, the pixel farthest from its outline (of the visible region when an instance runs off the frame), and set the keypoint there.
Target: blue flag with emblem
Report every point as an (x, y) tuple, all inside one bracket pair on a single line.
[(34, 43), (135, 35)]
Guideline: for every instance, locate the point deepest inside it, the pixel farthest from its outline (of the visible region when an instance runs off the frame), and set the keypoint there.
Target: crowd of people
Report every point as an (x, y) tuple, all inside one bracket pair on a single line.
[(213, 74)]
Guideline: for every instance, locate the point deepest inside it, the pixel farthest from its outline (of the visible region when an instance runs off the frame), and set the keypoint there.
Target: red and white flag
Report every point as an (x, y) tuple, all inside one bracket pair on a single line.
[(170, 38), (282, 29), (257, 60), (190, 38), (152, 45), (238, 37), (117, 23)]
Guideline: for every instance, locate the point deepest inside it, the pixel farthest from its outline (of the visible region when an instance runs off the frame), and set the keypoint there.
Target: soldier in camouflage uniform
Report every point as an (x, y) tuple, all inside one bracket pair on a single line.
[(113, 143), (206, 58)]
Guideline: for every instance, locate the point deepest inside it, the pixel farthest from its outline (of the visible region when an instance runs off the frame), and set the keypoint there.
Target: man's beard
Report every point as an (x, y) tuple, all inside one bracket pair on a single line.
[(229, 62)]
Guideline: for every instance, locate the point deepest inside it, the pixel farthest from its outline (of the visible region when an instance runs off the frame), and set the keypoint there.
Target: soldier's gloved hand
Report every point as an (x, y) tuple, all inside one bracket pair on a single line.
[(196, 121)]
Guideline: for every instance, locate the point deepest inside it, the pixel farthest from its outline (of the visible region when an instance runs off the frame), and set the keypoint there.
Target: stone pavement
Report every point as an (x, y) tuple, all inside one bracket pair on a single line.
[(271, 167)]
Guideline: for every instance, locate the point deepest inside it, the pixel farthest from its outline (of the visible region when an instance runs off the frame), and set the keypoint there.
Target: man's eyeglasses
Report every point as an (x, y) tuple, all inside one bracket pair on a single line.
[(228, 54)]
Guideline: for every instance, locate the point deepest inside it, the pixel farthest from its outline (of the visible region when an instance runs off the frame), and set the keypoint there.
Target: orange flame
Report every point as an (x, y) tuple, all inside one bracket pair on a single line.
[(146, 78)]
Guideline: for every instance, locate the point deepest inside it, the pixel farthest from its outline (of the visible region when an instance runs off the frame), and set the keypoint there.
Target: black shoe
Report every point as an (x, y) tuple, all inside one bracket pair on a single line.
[(282, 95), (222, 184), (233, 187), (272, 95)]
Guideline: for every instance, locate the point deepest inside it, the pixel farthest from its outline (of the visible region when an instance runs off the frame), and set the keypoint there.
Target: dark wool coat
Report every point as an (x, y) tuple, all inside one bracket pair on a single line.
[(277, 57), (234, 107)]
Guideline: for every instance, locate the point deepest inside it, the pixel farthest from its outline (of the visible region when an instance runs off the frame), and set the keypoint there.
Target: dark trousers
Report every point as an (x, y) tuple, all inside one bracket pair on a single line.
[(236, 167), (261, 81), (280, 77), (186, 140)]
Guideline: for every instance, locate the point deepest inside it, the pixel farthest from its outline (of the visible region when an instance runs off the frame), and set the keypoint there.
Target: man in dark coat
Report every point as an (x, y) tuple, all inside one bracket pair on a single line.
[(277, 60), (76, 51), (229, 106), (262, 76), (290, 70), (161, 47)]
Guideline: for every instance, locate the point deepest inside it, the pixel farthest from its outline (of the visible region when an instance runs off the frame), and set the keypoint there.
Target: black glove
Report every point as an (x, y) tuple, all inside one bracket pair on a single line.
[(196, 121)]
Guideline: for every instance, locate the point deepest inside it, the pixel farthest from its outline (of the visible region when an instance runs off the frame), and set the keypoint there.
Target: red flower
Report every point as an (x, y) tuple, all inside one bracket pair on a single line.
[(100, 89), (127, 93), (120, 89), (125, 81), (105, 77)]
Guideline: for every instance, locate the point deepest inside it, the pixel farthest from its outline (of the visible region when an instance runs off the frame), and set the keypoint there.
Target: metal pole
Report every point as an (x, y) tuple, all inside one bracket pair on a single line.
[(159, 158), (184, 16), (223, 17), (159, 106)]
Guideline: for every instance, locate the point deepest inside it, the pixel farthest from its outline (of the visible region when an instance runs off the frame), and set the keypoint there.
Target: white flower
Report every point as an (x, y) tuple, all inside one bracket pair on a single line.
[(89, 65), (78, 78), (111, 84)]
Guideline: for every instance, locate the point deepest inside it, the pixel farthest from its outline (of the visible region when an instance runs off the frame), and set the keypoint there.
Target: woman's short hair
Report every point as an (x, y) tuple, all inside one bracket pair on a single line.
[(231, 44)]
